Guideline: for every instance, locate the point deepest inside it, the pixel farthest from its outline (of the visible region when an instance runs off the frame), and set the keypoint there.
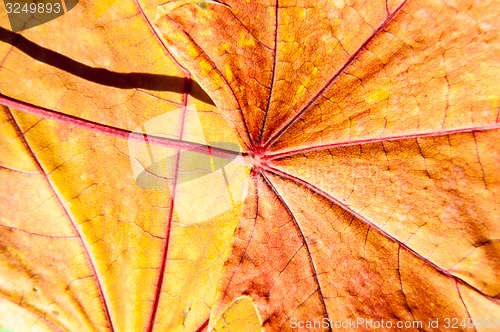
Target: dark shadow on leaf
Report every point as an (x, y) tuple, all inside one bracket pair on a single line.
[(103, 76)]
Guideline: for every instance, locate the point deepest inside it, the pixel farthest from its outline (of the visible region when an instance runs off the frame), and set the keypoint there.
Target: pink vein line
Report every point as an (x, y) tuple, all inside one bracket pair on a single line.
[(184, 70), (371, 225), (187, 87), (212, 63), (287, 125), (382, 139), (160, 42), (273, 77), (309, 254), (72, 221), (463, 302), (161, 277), (203, 326), (239, 157)]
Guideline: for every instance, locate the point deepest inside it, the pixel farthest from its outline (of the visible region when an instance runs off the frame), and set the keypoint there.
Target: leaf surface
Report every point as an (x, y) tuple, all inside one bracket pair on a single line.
[(89, 248), (373, 128), (348, 170)]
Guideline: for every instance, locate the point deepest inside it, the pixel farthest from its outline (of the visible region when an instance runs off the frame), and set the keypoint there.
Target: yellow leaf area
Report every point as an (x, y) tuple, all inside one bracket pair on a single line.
[(94, 236), (374, 132)]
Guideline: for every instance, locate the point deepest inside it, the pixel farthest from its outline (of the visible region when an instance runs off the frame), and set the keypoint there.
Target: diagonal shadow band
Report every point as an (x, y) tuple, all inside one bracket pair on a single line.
[(102, 76)]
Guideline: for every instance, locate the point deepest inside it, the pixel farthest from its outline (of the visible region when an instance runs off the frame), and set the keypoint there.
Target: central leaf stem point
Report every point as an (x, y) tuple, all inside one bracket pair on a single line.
[(259, 159), (259, 163)]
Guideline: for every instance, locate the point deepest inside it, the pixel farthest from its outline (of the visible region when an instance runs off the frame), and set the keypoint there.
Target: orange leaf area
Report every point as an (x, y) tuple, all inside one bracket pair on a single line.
[(252, 165)]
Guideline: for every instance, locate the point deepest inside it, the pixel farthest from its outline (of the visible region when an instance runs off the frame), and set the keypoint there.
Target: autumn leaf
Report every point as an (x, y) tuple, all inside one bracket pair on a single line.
[(84, 245), (351, 152)]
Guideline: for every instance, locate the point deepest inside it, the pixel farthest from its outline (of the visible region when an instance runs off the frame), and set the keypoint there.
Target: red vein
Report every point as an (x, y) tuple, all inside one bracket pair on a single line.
[(353, 57), (345, 207), (212, 63), (203, 326), (311, 261), (123, 133), (187, 88), (161, 277), (381, 139), (480, 162), (462, 300), (401, 282), (273, 73), (72, 221), (249, 31), (160, 41)]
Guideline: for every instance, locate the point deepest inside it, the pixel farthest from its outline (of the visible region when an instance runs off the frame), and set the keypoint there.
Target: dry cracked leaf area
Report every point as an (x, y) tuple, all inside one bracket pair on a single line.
[(257, 165)]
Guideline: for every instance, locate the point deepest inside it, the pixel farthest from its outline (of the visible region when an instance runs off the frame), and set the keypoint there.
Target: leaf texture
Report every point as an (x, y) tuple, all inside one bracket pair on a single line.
[(346, 168)]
